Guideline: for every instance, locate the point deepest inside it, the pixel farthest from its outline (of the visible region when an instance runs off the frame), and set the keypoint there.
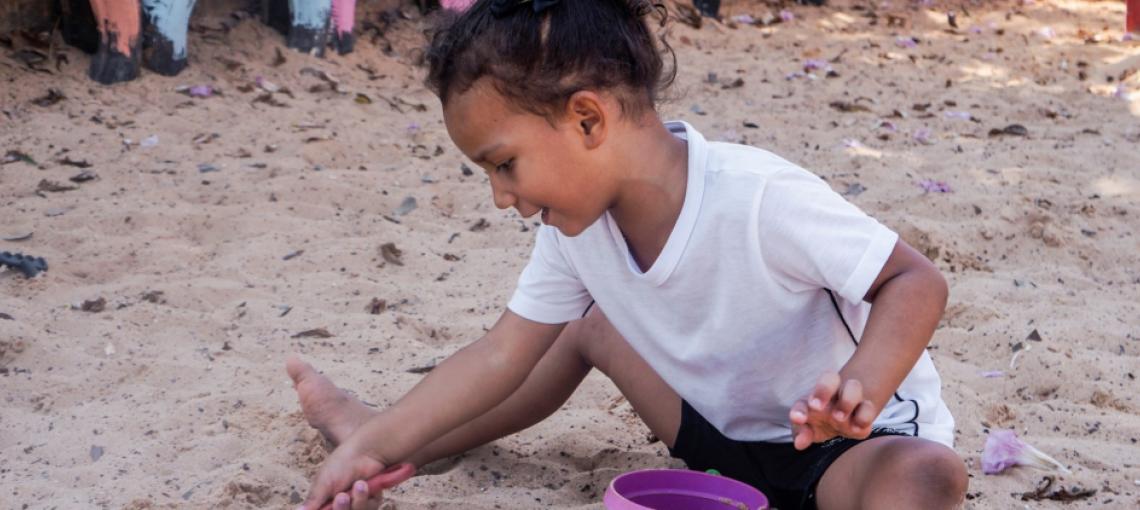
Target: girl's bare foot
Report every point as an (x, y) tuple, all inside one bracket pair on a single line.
[(329, 409)]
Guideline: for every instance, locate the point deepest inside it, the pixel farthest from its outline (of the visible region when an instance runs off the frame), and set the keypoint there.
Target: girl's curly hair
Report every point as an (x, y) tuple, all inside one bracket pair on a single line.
[(538, 57)]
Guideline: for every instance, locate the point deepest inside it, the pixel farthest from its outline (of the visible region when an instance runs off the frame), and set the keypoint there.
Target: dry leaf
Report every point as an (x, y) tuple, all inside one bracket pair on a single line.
[(54, 187), (83, 176), (76, 163), (391, 253), (1062, 494), (846, 107), (377, 306), (318, 333), (53, 96), (480, 225), (421, 370), (94, 305)]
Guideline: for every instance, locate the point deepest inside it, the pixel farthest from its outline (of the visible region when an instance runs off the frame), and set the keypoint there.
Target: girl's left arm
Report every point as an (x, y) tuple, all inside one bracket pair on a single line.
[(909, 296)]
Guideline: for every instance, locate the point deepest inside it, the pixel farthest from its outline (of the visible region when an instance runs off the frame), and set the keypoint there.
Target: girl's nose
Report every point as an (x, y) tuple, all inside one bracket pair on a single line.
[(503, 199)]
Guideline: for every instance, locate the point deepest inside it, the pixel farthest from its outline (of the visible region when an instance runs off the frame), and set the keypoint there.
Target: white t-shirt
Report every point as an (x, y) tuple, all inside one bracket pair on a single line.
[(733, 313)]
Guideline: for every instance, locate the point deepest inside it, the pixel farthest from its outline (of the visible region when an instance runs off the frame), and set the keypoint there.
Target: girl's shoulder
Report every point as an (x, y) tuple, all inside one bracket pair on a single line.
[(734, 158)]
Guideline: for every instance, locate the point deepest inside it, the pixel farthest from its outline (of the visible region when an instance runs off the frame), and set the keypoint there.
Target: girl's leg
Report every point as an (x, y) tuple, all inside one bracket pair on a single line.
[(591, 342), (586, 343), (894, 472)]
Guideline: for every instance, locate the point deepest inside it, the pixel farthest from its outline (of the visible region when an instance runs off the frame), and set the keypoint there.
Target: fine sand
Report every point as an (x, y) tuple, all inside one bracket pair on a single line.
[(218, 229)]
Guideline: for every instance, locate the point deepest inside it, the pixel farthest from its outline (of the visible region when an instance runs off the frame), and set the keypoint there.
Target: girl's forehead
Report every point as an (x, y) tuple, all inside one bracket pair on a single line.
[(478, 111), (474, 116), (481, 94)]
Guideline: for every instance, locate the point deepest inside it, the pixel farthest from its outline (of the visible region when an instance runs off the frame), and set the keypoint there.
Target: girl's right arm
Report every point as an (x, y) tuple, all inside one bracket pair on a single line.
[(461, 388)]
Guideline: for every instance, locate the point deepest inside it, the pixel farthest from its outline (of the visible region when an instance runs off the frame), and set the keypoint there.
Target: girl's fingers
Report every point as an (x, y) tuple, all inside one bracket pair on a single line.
[(850, 395), (824, 391), (799, 413), (803, 437), (341, 501), (864, 416), (320, 492), (360, 500)]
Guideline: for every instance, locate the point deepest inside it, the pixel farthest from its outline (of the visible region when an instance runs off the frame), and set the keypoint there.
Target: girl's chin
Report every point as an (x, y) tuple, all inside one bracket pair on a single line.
[(570, 230)]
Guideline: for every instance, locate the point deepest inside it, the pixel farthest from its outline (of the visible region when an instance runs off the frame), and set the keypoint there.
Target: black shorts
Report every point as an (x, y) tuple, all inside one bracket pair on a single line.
[(785, 475)]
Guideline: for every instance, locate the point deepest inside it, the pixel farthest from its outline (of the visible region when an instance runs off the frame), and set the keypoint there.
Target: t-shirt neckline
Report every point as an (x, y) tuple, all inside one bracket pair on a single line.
[(670, 255)]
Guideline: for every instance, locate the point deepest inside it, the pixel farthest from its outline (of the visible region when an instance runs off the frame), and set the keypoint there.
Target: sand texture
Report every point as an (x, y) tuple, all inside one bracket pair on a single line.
[(145, 368)]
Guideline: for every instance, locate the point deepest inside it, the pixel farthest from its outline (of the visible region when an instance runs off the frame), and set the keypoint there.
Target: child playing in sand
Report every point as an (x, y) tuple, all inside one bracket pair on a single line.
[(726, 292)]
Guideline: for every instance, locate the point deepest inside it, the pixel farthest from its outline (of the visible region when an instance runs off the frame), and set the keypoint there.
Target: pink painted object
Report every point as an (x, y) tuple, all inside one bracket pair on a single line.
[(343, 15), (457, 5)]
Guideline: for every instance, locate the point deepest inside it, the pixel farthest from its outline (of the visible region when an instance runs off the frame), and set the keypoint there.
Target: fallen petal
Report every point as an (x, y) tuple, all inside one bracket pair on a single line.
[(1004, 450), (932, 186)]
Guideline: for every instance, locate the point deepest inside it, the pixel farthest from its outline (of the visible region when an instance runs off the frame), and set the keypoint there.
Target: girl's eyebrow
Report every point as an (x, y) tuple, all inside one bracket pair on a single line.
[(481, 156)]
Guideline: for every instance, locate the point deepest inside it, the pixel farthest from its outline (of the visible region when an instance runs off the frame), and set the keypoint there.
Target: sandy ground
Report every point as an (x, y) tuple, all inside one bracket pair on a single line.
[(173, 394)]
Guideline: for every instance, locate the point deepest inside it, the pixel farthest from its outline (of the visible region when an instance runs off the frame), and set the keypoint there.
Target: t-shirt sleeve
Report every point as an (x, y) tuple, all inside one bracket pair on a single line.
[(810, 237), (549, 290)]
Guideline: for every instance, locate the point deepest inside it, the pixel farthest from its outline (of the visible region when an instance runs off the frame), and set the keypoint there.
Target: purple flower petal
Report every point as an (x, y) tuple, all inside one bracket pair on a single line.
[(813, 64), (1001, 451), (786, 15), (201, 91), (1004, 450), (933, 186), (923, 136), (1121, 92), (957, 115)]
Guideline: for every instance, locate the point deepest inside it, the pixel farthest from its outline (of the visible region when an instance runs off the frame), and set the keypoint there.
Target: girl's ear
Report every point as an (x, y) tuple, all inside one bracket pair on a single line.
[(588, 113)]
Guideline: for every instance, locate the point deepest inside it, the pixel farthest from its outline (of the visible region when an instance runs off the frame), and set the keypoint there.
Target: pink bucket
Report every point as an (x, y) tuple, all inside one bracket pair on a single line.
[(679, 489)]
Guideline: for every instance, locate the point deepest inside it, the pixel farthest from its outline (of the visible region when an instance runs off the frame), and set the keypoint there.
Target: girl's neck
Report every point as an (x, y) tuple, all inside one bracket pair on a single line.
[(654, 175)]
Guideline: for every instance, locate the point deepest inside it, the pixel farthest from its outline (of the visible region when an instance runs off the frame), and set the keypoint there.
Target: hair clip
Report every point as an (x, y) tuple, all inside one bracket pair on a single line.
[(502, 8)]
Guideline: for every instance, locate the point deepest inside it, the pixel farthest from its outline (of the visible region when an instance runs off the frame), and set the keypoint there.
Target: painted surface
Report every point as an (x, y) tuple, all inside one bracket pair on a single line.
[(1132, 23), (312, 14), (171, 18), (343, 15), (120, 17)]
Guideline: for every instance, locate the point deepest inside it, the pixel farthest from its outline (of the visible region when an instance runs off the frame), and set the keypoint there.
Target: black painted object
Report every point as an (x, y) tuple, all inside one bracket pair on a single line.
[(344, 41), (158, 52), (27, 264), (78, 25), (710, 8)]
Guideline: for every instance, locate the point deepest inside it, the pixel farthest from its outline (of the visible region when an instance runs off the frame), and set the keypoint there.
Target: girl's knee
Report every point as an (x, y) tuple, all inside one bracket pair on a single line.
[(593, 337), (932, 468)]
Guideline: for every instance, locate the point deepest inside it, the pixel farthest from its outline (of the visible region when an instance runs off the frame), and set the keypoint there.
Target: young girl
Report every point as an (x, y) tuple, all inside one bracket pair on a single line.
[(727, 292)]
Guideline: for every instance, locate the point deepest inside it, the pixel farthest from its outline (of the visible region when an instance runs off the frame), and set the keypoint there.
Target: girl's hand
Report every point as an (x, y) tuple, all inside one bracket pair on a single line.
[(342, 479), (835, 408)]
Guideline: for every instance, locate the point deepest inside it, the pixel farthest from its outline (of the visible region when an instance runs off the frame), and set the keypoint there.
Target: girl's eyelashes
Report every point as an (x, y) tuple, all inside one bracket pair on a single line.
[(505, 166)]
